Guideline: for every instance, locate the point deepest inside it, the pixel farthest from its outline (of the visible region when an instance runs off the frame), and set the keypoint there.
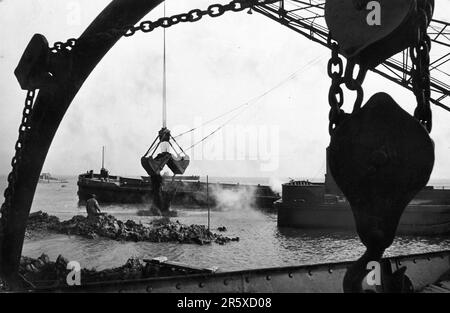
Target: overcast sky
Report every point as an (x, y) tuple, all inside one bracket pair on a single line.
[(213, 66)]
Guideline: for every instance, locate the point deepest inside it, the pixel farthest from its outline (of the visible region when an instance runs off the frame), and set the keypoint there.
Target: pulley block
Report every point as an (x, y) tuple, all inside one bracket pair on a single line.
[(372, 31), (380, 157)]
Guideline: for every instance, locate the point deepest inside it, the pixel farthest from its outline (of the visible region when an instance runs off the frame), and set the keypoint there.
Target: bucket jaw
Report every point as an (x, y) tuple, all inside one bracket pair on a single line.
[(178, 164), (154, 166)]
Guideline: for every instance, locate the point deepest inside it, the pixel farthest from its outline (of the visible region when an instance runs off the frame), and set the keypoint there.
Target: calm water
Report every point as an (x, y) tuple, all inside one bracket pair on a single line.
[(262, 243)]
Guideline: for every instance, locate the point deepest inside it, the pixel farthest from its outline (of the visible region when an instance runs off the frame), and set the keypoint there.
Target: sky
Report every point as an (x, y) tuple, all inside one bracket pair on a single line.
[(213, 66)]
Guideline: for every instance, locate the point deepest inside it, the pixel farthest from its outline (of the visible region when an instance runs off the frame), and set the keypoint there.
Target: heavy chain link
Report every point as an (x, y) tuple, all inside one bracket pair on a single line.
[(60, 46), (420, 72), (214, 10), (23, 132), (336, 94), (338, 78)]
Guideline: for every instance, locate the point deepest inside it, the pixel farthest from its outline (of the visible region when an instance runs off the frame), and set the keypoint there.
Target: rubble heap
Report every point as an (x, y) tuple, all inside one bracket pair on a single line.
[(43, 273), (38, 223), (108, 226)]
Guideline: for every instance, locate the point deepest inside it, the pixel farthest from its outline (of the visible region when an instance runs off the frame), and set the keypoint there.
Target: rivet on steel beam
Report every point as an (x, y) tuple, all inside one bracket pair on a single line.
[(178, 286), (414, 261), (310, 273), (291, 275), (149, 289), (330, 270), (268, 277), (201, 285), (428, 258), (247, 279)]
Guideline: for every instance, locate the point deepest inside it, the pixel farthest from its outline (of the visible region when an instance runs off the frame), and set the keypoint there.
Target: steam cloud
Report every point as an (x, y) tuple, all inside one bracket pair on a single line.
[(233, 198)]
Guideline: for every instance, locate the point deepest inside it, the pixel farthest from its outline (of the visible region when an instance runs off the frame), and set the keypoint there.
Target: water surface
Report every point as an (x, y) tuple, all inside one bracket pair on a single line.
[(262, 243)]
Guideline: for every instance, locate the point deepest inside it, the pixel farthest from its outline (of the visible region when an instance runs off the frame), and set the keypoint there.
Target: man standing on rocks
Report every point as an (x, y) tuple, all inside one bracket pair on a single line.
[(92, 207)]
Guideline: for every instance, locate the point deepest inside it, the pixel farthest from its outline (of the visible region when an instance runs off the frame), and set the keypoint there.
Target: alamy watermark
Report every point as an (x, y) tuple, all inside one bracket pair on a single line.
[(74, 277), (232, 142), (374, 16), (374, 276)]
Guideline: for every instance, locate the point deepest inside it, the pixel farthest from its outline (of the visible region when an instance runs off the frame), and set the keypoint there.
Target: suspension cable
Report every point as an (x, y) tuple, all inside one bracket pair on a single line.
[(249, 103), (215, 130), (253, 100), (164, 97)]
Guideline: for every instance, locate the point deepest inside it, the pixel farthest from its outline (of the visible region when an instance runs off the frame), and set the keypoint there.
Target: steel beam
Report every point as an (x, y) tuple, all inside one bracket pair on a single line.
[(422, 270), (307, 19)]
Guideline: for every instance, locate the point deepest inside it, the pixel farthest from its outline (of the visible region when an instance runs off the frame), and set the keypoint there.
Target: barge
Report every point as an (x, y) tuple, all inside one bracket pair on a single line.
[(304, 204), (190, 190), (47, 178)]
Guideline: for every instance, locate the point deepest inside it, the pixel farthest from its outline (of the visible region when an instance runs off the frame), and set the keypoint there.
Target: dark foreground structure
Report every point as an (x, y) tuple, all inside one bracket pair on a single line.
[(377, 142), (425, 273)]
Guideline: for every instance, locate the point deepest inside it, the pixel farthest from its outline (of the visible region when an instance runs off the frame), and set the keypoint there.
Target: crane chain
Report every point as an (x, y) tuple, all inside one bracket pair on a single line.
[(339, 77), (61, 46), (336, 94), (420, 72), (24, 130), (214, 10)]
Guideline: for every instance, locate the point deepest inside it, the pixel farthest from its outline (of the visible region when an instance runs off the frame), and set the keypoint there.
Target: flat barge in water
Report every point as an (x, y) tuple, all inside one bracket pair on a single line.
[(323, 206), (189, 190)]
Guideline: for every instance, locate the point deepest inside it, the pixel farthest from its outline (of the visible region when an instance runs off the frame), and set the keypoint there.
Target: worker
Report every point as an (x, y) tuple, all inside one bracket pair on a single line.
[(92, 207)]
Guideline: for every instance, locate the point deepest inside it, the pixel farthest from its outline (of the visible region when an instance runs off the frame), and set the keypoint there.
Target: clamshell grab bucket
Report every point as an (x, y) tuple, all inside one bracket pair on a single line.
[(154, 166), (178, 164)]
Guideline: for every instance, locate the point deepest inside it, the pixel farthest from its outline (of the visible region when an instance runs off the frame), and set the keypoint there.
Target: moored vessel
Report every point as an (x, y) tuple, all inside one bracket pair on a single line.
[(48, 178), (190, 190), (305, 204)]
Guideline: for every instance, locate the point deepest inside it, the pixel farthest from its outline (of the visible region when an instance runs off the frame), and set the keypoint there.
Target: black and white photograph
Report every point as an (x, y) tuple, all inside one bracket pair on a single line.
[(225, 152)]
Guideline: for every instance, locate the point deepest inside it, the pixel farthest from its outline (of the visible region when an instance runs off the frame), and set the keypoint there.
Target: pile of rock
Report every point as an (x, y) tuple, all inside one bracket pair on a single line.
[(43, 273), (42, 270), (39, 222), (108, 226)]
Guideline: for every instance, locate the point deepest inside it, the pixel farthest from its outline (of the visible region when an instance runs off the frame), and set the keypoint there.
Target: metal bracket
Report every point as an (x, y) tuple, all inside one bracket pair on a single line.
[(32, 70)]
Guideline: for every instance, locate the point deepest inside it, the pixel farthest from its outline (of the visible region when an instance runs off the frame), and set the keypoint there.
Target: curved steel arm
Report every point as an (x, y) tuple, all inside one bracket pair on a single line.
[(51, 104)]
